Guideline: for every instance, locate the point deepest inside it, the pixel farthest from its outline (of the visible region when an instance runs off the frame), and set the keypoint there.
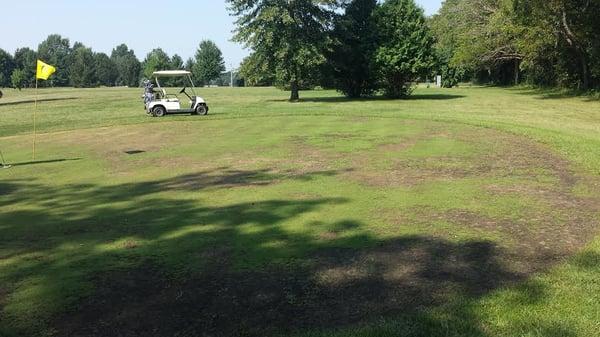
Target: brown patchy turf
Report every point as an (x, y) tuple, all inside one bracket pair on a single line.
[(344, 286), (545, 237)]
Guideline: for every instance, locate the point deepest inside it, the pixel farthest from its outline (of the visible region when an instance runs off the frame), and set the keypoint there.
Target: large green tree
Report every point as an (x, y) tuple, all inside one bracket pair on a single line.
[(209, 63), (6, 68), (549, 42), (156, 60), (566, 37), (290, 35), (106, 70), (17, 78), (256, 73), (177, 62), (127, 65), (82, 69), (25, 60), (56, 51), (405, 46), (354, 40), (189, 64), (480, 36)]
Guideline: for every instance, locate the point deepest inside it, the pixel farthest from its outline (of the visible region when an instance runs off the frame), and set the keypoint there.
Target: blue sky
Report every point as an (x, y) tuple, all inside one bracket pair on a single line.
[(175, 26)]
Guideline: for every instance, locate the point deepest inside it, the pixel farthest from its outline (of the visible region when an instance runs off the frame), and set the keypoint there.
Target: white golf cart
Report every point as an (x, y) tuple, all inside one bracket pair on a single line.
[(160, 103)]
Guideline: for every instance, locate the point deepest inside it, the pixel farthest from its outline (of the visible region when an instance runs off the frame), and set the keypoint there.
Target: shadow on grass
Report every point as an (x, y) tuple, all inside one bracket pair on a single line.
[(342, 99), (29, 101), (40, 162), (553, 93), (129, 260)]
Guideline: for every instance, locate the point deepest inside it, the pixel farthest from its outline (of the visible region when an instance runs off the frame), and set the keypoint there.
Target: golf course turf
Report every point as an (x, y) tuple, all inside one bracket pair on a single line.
[(458, 212)]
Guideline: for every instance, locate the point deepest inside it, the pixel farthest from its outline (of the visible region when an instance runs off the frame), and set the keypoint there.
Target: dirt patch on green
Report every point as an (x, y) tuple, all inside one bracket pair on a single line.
[(554, 220), (305, 158), (534, 243), (489, 154)]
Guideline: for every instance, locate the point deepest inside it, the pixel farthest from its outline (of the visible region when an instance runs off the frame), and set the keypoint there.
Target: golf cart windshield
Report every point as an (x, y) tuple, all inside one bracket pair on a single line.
[(175, 73)]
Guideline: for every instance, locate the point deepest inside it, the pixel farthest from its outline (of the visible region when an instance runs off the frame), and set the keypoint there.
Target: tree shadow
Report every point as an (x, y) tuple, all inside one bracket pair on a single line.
[(342, 99), (130, 260), (554, 93), (40, 162), (435, 97), (29, 101)]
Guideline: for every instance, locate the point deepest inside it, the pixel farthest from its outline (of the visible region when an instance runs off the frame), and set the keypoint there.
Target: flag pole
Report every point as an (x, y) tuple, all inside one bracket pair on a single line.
[(34, 116), (4, 164)]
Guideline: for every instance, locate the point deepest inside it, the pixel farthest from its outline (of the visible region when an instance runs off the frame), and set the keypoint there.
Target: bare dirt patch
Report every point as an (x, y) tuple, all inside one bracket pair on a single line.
[(496, 154), (534, 244), (305, 158)]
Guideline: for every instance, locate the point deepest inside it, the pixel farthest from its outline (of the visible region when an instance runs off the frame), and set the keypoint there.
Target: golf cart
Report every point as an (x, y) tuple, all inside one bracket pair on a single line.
[(159, 103)]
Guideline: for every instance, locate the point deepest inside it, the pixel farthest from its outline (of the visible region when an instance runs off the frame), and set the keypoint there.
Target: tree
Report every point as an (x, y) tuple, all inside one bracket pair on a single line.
[(6, 68), (479, 37), (82, 70), (56, 51), (176, 62), (17, 79), (547, 42), (446, 27), (189, 64), (106, 70), (569, 30), (255, 73), (156, 60), (405, 49), (491, 39), (290, 36), (209, 62), (25, 60), (354, 44), (127, 65)]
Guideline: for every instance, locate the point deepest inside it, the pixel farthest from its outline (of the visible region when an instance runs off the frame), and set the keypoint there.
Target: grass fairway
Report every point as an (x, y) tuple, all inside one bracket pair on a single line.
[(463, 212)]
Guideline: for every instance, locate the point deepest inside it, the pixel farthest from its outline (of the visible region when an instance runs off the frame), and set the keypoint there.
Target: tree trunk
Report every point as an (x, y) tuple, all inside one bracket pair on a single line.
[(295, 96), (585, 71), (579, 50), (517, 71)]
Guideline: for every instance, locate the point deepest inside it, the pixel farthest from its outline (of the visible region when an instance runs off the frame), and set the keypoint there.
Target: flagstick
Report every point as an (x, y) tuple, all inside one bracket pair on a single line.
[(34, 115), (4, 164), (2, 159)]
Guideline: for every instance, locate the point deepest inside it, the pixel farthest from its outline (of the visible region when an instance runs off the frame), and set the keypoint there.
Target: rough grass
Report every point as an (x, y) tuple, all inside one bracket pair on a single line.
[(464, 212)]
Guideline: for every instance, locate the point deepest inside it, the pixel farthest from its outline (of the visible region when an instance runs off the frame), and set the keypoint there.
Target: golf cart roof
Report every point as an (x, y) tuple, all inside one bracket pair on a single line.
[(171, 73)]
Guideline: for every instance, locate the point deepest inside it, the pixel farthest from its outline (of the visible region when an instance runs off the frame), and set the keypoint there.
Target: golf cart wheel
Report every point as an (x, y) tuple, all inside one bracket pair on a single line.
[(159, 111), (201, 109)]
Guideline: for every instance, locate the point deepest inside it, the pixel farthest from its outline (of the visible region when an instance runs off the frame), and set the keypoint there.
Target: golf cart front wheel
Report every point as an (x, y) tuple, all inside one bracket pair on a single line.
[(201, 110), (159, 111)]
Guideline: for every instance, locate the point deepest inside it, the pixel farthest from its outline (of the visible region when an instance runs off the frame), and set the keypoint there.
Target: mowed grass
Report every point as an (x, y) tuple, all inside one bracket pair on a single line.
[(460, 212)]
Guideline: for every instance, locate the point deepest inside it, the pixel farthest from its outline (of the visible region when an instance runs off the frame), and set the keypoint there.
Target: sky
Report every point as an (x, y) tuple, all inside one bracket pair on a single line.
[(175, 26)]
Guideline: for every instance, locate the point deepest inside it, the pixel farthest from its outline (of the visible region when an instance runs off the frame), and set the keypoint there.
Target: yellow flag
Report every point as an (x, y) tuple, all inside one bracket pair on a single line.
[(44, 70)]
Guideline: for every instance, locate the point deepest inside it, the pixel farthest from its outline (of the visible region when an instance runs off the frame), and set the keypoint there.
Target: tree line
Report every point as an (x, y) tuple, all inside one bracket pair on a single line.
[(362, 47), (79, 66), (545, 43)]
